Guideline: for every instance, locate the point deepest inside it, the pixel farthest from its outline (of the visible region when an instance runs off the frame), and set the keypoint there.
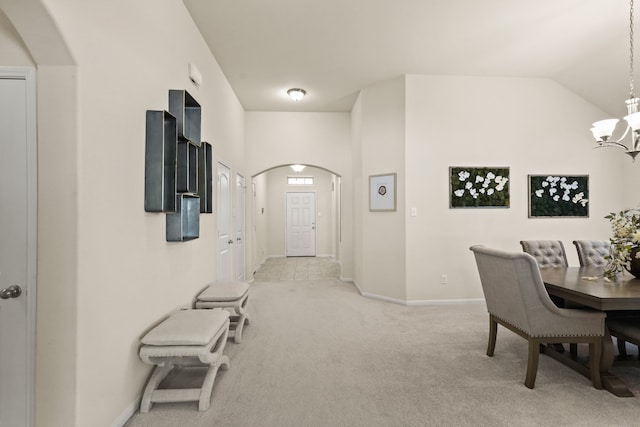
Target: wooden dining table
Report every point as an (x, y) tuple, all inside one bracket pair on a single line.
[(586, 286)]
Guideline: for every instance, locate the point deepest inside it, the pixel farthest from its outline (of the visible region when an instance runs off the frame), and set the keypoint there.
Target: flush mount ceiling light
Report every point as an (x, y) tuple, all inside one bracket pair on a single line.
[(297, 168), (603, 130), (296, 94)]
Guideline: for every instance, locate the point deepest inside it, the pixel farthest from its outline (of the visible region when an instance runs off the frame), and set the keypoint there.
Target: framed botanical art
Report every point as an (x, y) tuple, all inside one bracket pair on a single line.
[(558, 196), (382, 192), (478, 187)]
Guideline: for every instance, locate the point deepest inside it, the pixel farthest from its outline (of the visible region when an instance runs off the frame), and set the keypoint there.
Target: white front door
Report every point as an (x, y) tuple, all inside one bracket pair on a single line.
[(301, 224), (240, 234), (224, 223), (18, 245)]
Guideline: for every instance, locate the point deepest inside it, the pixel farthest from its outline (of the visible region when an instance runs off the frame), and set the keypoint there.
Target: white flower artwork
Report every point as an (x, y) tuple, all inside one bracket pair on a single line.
[(558, 196), (472, 187)]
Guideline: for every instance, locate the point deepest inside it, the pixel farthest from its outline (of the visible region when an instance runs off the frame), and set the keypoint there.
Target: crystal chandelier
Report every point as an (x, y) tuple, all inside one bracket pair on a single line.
[(604, 129)]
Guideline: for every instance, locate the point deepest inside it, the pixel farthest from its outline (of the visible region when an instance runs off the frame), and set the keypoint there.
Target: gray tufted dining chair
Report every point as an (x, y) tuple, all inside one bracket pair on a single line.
[(517, 299), (548, 253), (592, 253)]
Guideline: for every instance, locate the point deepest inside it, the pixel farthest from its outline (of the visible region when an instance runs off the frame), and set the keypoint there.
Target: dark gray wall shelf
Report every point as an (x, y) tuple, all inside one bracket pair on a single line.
[(188, 115), (205, 180), (187, 167), (178, 167), (160, 162), (185, 223)]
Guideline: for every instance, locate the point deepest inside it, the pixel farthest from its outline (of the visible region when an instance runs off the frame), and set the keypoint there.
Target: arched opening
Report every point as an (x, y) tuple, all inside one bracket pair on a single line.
[(271, 212)]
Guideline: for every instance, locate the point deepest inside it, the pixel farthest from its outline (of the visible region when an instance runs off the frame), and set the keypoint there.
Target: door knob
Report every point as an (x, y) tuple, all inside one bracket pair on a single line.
[(238, 239), (12, 291), (230, 241)]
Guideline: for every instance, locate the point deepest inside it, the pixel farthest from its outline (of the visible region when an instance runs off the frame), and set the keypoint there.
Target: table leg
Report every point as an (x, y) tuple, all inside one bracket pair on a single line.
[(607, 356), (610, 382)]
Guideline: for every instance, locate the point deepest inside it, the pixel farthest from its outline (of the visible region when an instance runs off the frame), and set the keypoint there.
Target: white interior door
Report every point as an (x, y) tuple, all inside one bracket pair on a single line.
[(17, 245), (240, 223), (301, 224), (224, 223)]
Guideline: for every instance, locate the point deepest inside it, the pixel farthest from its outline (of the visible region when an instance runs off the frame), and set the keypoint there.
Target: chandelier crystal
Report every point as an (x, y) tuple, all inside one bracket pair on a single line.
[(603, 130)]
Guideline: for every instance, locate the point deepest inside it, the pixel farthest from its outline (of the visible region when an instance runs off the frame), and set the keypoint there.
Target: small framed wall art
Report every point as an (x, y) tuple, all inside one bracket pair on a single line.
[(558, 196), (382, 192), (478, 187)]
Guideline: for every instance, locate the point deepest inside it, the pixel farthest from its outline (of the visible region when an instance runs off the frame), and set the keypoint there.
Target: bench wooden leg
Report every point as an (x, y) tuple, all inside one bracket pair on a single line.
[(160, 372), (207, 385), (237, 323)]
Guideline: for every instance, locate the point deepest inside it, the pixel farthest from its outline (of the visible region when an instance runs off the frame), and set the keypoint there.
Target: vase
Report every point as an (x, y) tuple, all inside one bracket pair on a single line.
[(634, 263)]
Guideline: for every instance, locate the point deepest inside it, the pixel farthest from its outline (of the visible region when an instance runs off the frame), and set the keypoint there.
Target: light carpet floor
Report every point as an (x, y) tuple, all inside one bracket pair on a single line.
[(318, 354)]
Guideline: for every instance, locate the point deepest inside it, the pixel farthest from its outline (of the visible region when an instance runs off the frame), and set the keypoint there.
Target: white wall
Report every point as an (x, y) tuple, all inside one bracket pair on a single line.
[(56, 338), (315, 139), (13, 51), (381, 118), (534, 126), (114, 256), (58, 217), (259, 208), (143, 53), (359, 193)]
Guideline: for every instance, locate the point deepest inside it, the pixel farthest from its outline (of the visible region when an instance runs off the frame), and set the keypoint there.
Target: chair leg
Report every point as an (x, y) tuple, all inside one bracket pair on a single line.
[(532, 363), (573, 349), (595, 354), (622, 347), (493, 332)]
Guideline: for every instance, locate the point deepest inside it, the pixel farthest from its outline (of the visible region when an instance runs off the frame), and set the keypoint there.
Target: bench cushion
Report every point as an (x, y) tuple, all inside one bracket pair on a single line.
[(224, 291), (187, 327)]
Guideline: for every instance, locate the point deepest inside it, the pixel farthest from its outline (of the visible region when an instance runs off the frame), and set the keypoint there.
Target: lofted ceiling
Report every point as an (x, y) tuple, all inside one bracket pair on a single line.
[(335, 48)]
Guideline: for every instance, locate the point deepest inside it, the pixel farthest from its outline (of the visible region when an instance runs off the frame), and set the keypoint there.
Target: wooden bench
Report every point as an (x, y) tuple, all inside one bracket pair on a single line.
[(189, 338), (231, 295)]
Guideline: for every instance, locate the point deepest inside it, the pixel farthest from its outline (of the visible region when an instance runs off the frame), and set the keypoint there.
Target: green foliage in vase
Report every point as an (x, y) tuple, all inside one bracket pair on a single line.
[(624, 242)]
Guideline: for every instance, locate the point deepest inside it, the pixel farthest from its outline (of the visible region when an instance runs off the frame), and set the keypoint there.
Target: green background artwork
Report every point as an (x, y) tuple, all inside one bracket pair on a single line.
[(472, 187), (559, 195)]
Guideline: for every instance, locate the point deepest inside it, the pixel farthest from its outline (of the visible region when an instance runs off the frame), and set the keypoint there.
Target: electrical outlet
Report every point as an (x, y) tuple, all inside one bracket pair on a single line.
[(443, 279)]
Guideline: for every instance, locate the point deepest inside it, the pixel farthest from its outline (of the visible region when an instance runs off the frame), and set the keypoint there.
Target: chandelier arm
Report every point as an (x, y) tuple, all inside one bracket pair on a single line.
[(612, 144), (619, 140)]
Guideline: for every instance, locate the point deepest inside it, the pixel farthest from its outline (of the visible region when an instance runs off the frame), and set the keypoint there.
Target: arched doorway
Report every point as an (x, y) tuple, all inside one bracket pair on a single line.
[(269, 210)]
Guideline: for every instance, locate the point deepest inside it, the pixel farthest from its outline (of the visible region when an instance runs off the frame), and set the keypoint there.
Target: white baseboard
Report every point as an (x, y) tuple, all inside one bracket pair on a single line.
[(284, 256), (446, 301), (418, 302), (127, 413), (423, 302), (383, 298)]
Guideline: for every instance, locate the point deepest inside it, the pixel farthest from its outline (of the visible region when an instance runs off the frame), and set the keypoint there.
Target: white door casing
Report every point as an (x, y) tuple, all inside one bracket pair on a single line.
[(18, 222), (300, 224), (240, 224), (224, 223)]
